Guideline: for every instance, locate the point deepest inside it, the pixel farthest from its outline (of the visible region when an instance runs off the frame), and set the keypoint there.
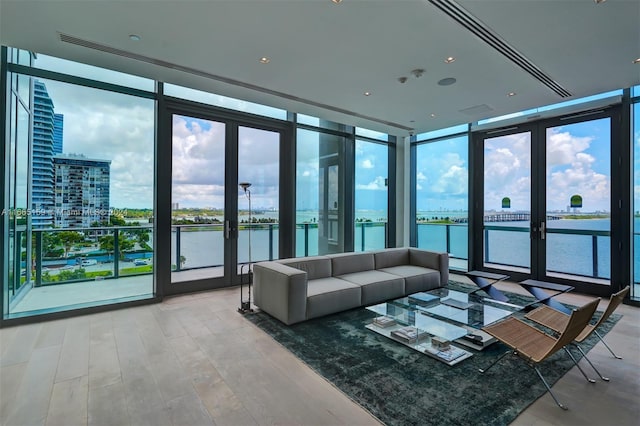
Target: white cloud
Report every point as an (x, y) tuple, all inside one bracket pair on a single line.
[(378, 184), (367, 164), (562, 147), (453, 181)]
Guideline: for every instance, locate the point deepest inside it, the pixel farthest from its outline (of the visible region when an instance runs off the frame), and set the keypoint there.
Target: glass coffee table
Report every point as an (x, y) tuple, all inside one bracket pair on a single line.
[(429, 321)]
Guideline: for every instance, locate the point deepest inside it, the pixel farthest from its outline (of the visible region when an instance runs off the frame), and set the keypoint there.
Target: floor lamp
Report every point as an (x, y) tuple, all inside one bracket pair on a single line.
[(245, 306)]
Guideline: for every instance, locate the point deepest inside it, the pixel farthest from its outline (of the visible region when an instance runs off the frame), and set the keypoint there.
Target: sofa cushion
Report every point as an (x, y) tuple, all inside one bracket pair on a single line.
[(315, 266), (391, 257), (329, 295), (416, 278), (377, 286), (347, 263)]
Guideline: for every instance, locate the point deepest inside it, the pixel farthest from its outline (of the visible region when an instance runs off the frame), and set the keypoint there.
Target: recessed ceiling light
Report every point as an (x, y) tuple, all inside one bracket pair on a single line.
[(432, 115), (367, 93), (636, 61), (337, 1), (449, 60), (447, 81), (264, 60), (134, 37), (599, 1), (511, 94), (412, 121)]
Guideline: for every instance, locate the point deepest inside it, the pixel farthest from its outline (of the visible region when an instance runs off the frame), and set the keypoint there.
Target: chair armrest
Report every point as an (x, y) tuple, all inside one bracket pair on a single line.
[(281, 291), (433, 260)]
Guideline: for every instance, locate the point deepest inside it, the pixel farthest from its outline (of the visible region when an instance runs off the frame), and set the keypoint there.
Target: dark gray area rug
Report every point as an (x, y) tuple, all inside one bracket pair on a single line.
[(403, 387)]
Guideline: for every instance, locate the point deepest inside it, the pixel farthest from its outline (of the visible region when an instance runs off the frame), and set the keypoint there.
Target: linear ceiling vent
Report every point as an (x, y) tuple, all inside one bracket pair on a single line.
[(485, 34), (119, 52)]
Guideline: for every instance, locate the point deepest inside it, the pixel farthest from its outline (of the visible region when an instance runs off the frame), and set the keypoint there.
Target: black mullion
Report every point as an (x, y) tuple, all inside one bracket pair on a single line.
[(231, 203)]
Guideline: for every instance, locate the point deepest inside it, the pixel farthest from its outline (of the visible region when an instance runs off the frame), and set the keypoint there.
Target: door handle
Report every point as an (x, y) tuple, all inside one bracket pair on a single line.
[(543, 230), (228, 229)]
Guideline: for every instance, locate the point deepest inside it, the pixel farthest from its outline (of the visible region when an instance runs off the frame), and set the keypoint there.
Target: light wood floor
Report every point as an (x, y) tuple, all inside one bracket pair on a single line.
[(193, 360)]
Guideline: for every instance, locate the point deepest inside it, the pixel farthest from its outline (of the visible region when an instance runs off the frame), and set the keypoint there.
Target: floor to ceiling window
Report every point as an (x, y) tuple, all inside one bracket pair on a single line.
[(442, 194), (82, 194), (636, 191), (320, 193), (371, 195), (82, 186), (547, 200)]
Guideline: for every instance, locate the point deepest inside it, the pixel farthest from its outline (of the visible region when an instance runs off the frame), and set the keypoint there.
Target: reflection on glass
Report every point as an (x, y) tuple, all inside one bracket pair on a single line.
[(223, 101), (95, 73), (319, 193)]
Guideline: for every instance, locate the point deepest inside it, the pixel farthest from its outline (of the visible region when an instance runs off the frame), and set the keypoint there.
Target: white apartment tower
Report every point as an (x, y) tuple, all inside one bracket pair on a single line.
[(81, 191)]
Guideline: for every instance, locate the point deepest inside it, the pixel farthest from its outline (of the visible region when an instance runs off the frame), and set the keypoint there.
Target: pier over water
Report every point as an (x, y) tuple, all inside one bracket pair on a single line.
[(514, 217)]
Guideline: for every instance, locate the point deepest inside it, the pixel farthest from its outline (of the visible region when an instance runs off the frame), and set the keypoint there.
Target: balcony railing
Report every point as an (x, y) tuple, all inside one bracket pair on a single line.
[(569, 251), (100, 253)]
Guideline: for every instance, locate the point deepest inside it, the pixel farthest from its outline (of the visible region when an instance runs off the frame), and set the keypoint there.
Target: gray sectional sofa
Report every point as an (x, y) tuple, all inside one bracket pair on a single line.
[(295, 290)]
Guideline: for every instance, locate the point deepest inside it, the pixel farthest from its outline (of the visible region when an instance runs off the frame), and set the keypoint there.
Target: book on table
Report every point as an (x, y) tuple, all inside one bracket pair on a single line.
[(384, 322), (406, 334), (447, 355), (456, 303)]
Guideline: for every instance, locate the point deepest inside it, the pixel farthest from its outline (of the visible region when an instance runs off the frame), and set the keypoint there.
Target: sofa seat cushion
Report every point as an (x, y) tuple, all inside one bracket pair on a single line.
[(328, 295), (416, 278), (376, 285)]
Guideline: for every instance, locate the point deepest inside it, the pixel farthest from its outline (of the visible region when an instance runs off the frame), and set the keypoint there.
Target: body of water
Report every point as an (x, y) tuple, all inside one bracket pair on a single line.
[(572, 254)]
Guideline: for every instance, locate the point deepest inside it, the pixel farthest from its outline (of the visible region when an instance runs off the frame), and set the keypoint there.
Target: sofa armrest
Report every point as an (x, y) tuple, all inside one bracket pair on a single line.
[(281, 291), (431, 259)]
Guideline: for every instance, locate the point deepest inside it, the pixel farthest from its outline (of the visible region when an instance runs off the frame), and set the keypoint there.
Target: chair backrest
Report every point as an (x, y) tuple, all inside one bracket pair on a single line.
[(615, 301), (578, 320)]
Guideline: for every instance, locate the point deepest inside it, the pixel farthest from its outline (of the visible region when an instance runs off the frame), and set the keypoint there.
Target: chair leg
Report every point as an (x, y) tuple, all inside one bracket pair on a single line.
[(605, 344), (546, 385), (584, 355), (578, 365), (496, 361)]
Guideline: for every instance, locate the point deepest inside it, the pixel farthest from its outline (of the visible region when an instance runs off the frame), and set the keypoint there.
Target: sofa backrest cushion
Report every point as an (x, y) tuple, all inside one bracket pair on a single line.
[(348, 263), (391, 257), (315, 266)]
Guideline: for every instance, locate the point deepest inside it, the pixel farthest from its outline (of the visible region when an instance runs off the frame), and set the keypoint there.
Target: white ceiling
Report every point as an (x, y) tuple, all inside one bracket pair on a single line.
[(324, 56)]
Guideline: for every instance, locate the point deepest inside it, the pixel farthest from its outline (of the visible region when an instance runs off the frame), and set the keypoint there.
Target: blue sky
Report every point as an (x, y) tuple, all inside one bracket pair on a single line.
[(578, 162)]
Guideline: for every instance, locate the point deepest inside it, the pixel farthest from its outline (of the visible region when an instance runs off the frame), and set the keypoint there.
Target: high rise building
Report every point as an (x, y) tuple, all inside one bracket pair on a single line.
[(58, 125), (81, 191), (42, 154)]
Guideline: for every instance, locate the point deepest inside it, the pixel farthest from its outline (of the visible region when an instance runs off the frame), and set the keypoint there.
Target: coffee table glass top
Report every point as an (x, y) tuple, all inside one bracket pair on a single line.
[(407, 315), (464, 308)]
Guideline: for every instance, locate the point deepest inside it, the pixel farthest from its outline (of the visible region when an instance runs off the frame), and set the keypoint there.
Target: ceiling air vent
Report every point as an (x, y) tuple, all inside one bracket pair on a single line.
[(476, 110), (485, 34)]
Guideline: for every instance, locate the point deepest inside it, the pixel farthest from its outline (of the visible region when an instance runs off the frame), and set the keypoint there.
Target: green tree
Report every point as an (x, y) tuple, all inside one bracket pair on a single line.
[(107, 244), (68, 239)]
